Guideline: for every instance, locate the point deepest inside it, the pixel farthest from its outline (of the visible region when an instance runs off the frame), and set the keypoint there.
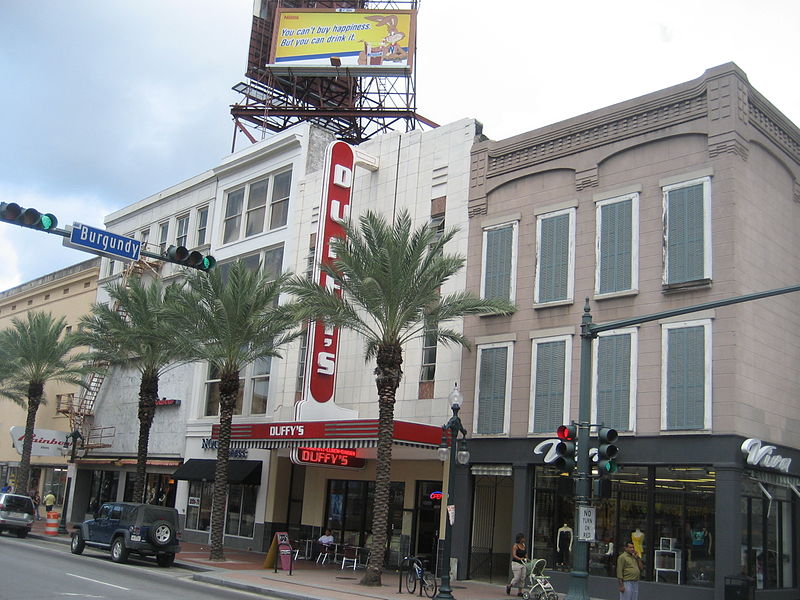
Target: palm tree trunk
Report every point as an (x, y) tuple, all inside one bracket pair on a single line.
[(228, 392), (387, 379), (35, 391), (148, 393)]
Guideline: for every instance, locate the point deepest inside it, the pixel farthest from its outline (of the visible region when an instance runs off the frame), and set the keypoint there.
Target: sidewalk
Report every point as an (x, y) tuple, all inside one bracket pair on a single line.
[(244, 571)]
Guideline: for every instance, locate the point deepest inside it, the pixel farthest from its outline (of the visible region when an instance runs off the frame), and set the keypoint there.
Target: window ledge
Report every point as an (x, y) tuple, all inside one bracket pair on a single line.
[(554, 303), (685, 285), (685, 432), (620, 294)]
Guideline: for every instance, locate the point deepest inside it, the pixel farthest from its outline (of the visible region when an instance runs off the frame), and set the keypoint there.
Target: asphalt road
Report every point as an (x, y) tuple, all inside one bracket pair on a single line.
[(40, 570)]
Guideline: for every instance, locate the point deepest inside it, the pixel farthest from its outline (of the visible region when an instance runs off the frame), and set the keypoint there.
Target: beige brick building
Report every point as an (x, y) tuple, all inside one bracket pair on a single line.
[(678, 198)]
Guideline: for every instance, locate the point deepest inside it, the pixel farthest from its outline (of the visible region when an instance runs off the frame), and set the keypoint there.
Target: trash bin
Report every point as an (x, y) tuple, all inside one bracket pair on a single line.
[(739, 588)]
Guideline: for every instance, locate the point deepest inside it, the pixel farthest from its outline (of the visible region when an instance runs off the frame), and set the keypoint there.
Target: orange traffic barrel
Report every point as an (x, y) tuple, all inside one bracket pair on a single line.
[(51, 524)]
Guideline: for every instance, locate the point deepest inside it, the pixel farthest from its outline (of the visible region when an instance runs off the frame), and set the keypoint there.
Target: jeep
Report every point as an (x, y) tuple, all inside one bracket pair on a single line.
[(124, 527)]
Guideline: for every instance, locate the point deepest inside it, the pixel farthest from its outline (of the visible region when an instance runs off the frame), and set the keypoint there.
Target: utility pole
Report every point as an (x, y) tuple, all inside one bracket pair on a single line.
[(578, 586)]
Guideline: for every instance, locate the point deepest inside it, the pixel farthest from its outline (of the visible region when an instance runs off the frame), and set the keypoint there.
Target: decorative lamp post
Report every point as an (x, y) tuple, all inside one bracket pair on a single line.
[(72, 438), (453, 427)]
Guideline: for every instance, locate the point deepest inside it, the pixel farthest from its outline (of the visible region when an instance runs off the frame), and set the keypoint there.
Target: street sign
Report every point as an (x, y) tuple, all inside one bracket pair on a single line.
[(100, 241), (586, 523)]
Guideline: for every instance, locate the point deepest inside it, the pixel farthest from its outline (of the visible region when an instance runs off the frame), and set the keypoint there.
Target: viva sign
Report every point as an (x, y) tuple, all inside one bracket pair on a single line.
[(758, 455)]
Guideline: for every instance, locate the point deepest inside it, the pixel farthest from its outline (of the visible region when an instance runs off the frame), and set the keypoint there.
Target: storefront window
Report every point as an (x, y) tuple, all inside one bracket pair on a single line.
[(667, 512), (768, 553), (349, 510), (239, 515)]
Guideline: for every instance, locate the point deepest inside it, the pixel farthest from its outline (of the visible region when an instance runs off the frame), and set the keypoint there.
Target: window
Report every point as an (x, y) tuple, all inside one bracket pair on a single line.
[(202, 225), (253, 389), (254, 197), (614, 373), (280, 200), (687, 210), (144, 237), (271, 260), (686, 375), (163, 230), (233, 216), (617, 245), (301, 360), (182, 230), (494, 389), (428, 370), (212, 394), (256, 208), (498, 279), (550, 383), (239, 514), (555, 260)]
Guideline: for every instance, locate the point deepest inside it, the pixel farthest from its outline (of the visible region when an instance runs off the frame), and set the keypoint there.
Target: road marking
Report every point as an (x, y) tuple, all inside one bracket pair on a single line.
[(100, 582), (81, 595)]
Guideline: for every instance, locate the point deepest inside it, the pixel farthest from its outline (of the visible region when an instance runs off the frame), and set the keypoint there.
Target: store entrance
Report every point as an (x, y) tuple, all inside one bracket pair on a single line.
[(426, 526)]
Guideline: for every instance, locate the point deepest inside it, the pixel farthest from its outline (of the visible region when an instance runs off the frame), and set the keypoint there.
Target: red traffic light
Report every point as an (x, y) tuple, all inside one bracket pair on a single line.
[(567, 432)]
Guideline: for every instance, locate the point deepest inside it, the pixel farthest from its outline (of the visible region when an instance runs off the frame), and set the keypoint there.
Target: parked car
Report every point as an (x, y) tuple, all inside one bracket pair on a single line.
[(124, 527), (16, 513)]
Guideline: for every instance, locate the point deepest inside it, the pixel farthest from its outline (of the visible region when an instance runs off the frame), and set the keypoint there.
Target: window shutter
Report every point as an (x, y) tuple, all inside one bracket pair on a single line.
[(616, 240), (685, 249), (614, 381), (686, 378), (554, 258), (498, 262), (492, 394), (548, 400)]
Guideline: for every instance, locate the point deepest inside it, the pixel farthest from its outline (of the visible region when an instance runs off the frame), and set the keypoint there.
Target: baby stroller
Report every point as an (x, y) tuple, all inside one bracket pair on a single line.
[(538, 583)]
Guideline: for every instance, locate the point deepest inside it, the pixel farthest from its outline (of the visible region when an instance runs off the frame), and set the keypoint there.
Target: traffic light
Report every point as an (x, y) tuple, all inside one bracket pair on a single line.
[(607, 450), (182, 256), (565, 449), (11, 212)]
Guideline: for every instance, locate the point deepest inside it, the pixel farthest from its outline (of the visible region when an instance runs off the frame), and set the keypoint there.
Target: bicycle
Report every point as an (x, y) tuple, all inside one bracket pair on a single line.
[(417, 572)]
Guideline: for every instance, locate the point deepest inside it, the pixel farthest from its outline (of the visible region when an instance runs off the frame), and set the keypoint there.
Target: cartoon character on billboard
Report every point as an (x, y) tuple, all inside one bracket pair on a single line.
[(390, 50)]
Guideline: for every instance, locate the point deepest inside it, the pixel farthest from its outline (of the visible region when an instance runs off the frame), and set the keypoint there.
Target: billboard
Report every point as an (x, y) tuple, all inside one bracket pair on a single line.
[(323, 42)]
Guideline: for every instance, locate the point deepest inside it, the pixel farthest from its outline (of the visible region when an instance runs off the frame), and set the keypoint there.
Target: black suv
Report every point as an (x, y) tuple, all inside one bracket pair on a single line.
[(124, 527), (16, 513)]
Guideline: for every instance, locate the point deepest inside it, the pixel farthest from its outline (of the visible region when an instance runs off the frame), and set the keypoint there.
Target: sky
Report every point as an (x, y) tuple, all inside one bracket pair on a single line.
[(106, 102)]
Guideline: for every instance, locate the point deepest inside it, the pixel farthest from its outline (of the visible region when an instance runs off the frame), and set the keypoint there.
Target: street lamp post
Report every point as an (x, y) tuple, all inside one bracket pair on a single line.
[(74, 437), (454, 428)]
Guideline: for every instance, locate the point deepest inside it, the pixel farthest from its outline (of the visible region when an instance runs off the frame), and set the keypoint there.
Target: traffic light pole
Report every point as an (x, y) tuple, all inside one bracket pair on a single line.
[(578, 586)]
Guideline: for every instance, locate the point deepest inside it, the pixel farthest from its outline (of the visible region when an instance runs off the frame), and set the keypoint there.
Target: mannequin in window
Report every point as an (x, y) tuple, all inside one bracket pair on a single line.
[(701, 541), (637, 537), (563, 545)]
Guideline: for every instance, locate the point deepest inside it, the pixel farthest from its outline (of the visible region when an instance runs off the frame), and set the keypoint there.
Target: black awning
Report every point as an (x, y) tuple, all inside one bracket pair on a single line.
[(202, 469)]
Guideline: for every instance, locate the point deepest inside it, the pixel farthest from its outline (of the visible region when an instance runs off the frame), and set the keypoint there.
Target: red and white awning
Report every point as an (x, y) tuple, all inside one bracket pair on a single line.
[(360, 433)]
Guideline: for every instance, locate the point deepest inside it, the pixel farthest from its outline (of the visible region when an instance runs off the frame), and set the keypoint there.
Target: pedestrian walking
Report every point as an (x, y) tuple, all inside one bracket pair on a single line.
[(519, 554), (37, 500), (629, 571), (49, 501)]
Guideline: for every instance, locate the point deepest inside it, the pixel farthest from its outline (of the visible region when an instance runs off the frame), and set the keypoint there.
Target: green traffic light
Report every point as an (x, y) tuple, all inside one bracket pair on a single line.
[(48, 222), (208, 263)]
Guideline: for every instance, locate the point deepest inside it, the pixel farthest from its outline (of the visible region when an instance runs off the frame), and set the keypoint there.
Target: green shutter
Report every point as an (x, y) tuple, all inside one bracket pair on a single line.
[(685, 243), (554, 258), (616, 242), (492, 393), (686, 378), (499, 248), (548, 401), (614, 381)]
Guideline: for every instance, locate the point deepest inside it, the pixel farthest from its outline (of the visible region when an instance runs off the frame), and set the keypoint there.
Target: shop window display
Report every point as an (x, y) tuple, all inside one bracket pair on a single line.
[(667, 512)]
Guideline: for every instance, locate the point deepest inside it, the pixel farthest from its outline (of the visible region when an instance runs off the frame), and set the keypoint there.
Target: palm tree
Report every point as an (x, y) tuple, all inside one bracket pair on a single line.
[(230, 320), (35, 351), (390, 276), (132, 330)]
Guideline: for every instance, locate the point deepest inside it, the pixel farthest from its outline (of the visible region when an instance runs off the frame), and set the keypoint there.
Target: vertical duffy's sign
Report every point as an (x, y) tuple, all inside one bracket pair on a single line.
[(323, 341)]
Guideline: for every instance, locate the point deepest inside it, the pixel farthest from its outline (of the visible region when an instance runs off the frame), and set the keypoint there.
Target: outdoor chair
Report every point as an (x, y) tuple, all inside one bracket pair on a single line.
[(326, 553)]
